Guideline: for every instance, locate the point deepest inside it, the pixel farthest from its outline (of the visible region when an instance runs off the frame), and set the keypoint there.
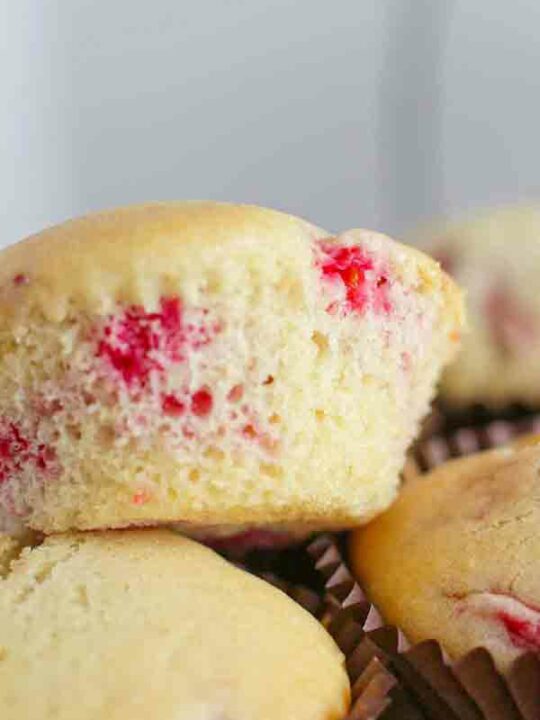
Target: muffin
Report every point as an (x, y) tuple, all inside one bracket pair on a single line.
[(221, 366), (147, 624), (495, 256), (457, 557)]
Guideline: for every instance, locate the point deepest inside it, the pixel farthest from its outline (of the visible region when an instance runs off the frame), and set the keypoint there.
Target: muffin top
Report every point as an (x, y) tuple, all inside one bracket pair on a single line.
[(147, 624), (134, 254), (457, 557)]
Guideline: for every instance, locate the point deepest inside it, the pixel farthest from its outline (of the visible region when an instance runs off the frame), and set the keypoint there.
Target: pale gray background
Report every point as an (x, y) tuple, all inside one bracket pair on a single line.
[(352, 112)]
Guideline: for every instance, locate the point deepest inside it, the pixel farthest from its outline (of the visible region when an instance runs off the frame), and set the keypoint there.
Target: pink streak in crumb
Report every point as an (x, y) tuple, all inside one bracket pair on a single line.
[(365, 286), (512, 327), (138, 342), (18, 452), (21, 279)]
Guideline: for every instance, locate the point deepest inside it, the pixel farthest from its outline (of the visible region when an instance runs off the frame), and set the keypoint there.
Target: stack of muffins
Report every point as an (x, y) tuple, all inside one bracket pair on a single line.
[(219, 371), (242, 377)]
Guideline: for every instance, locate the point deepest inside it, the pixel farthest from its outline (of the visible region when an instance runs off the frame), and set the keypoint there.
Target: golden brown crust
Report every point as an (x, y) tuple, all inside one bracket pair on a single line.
[(78, 261), (114, 253), (456, 557), (149, 624)]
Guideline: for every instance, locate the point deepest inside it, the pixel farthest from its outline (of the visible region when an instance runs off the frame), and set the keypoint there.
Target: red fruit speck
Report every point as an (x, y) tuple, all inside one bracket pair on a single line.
[(249, 432), (523, 633), (21, 279), (235, 393), (365, 286), (18, 452), (141, 498), (201, 403), (172, 406)]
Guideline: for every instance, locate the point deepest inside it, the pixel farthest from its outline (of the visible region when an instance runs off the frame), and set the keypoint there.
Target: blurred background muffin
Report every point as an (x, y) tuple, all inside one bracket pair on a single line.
[(456, 557), (495, 255)]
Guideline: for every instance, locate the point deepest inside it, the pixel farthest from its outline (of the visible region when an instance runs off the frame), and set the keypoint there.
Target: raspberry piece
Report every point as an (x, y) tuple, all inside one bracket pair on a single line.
[(201, 403), (523, 633), (172, 406), (365, 285), (520, 619)]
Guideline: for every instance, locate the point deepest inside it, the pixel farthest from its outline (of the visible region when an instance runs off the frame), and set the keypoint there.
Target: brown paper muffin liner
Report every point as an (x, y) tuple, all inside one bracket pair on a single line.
[(309, 599), (394, 680), (289, 567), (436, 449), (445, 419)]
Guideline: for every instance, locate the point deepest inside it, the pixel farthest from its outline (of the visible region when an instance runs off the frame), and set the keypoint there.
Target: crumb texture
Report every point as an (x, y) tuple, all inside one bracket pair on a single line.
[(213, 365)]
